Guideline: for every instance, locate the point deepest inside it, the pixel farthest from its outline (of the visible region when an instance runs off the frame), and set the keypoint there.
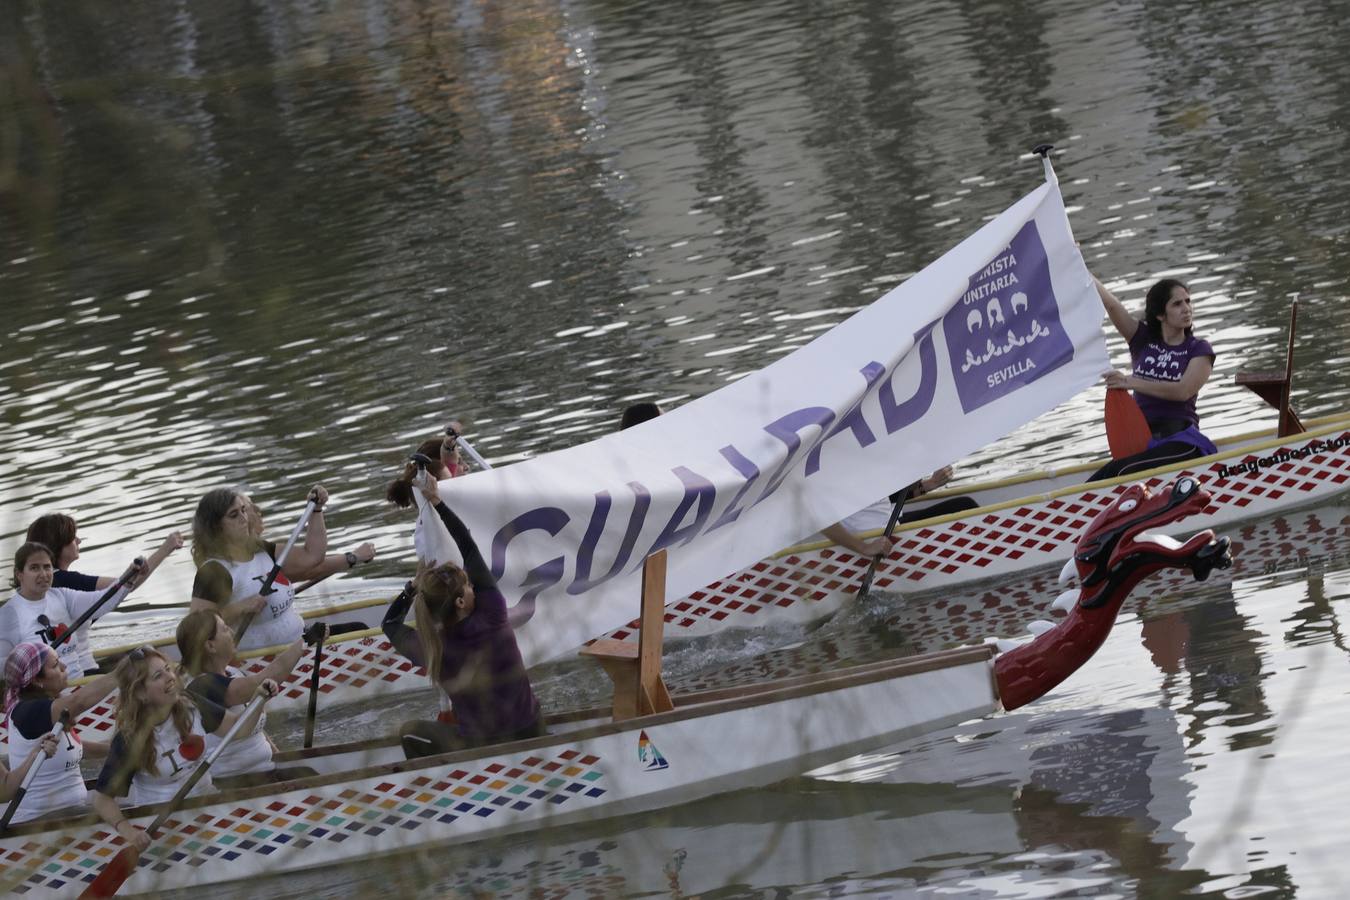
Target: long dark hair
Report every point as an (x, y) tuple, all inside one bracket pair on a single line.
[(637, 413), (56, 530), (1155, 305)]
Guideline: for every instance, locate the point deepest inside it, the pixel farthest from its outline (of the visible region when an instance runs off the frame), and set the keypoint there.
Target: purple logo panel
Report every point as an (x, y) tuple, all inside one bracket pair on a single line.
[(1005, 332)]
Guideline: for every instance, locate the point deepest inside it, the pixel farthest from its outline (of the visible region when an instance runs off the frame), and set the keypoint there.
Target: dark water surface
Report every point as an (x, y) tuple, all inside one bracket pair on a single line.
[(279, 243)]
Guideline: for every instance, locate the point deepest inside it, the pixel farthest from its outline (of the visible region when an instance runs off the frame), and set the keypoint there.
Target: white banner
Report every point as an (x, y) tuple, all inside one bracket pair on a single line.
[(1004, 327)]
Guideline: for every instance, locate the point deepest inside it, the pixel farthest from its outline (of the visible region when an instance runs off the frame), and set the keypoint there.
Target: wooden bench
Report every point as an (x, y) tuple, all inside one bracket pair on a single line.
[(1274, 387), (635, 668)]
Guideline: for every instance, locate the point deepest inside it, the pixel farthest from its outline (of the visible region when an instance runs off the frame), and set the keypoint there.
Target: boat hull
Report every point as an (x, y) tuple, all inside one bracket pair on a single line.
[(739, 741)]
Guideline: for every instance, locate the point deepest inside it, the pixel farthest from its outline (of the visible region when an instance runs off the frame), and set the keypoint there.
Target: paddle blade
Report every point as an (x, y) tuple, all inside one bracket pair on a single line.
[(114, 875), (1127, 430)]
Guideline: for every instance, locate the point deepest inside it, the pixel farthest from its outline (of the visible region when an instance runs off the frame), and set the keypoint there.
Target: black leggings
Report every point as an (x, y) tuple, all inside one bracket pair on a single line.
[(1161, 455), (428, 737)]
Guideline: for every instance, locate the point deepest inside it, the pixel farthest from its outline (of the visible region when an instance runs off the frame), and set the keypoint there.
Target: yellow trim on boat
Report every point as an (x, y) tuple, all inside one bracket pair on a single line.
[(263, 651)]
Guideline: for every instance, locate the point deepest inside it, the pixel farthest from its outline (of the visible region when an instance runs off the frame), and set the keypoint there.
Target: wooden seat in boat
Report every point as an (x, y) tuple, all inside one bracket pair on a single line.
[(635, 668), (1274, 387)]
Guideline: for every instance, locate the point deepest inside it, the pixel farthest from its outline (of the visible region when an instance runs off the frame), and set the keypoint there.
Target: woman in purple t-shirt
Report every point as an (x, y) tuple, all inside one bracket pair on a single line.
[(1170, 365), (466, 641)]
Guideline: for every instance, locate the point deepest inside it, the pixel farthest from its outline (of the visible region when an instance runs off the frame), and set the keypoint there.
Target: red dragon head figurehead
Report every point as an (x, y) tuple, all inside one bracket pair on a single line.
[(1114, 554)]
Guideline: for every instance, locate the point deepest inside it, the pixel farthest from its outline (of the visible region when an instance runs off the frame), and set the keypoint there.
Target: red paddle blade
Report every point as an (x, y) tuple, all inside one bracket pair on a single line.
[(1127, 431), (114, 874)]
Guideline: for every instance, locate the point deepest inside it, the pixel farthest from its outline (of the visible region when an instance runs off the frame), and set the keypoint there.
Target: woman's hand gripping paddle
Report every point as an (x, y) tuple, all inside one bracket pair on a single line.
[(1127, 431), (898, 498), (131, 574), (123, 865), (267, 588), (57, 730)]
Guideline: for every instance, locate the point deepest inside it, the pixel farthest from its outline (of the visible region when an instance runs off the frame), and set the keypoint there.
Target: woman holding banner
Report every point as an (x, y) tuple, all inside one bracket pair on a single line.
[(465, 641), (1170, 366), (443, 461)]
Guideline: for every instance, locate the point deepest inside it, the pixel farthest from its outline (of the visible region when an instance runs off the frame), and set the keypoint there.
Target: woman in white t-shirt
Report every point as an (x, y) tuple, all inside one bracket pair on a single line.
[(159, 742), (206, 646), (60, 533), (40, 612), (35, 678), (233, 562)]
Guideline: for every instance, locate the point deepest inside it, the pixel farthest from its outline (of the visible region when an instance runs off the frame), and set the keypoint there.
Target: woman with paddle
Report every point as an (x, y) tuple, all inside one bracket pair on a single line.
[(206, 645), (59, 533), (848, 533), (235, 567), (35, 680), (1170, 366), (39, 611), (465, 641), (159, 741), (11, 780), (332, 564)]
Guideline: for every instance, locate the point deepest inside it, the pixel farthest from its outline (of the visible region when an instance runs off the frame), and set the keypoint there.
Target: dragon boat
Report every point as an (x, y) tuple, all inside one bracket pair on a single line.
[(1022, 524), (367, 801)]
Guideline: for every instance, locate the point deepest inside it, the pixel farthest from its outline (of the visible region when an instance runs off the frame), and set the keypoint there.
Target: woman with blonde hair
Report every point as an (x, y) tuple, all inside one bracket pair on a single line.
[(206, 646), (159, 741), (233, 560), (465, 641)]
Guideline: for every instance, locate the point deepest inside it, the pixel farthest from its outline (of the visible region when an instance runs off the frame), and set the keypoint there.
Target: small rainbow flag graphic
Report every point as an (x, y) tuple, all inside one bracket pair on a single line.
[(649, 756)]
